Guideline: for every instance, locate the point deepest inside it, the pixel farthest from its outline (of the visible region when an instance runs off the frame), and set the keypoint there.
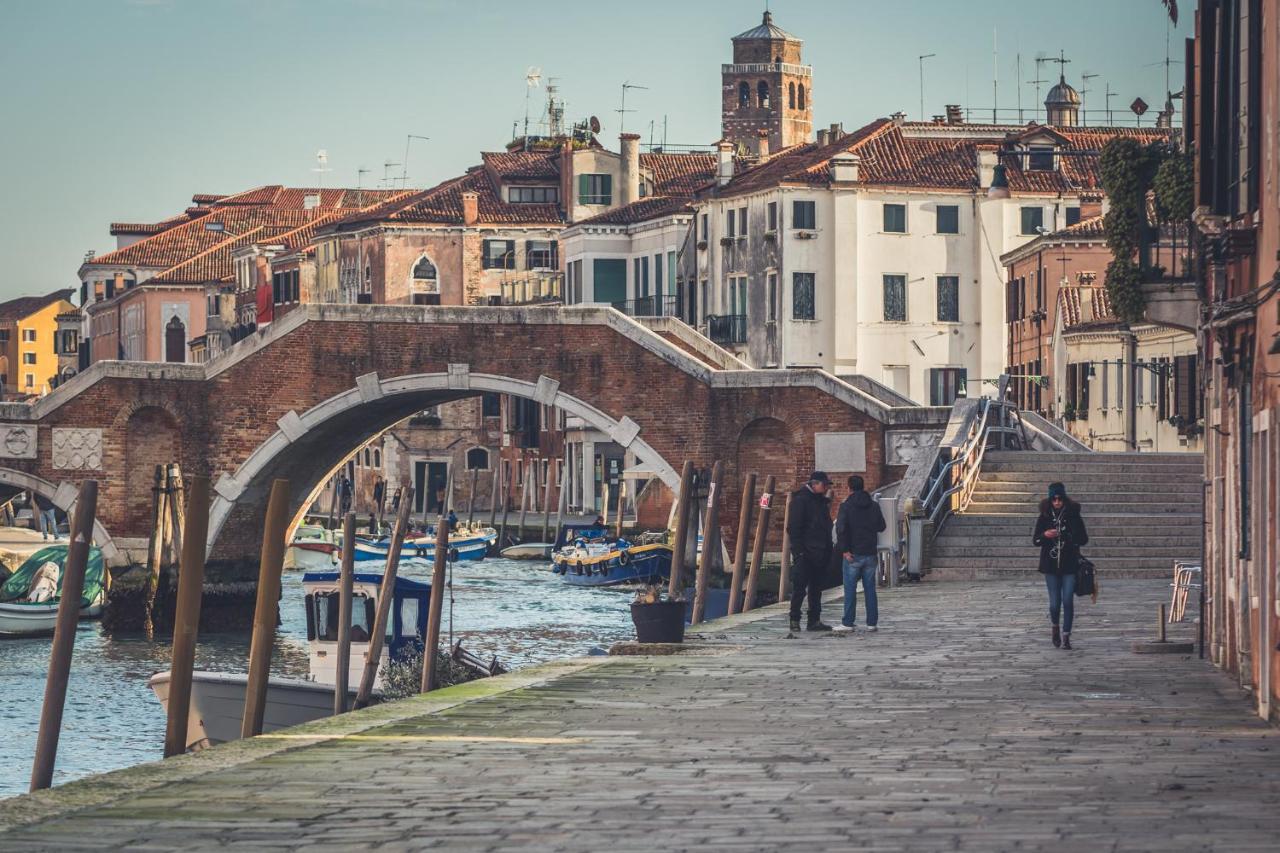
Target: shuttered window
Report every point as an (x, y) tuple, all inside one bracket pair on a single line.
[(595, 189), (1184, 391)]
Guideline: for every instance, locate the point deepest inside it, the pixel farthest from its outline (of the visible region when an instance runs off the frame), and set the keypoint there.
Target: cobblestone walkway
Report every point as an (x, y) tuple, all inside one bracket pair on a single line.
[(956, 727)]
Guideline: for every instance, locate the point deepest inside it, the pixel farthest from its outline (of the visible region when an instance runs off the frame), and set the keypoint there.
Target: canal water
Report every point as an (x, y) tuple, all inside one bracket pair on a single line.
[(518, 611)]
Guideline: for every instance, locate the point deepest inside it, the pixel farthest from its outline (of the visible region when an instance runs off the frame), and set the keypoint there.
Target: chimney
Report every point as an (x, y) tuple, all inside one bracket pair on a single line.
[(762, 144), (630, 143), (937, 119), (1086, 305), (844, 168), (988, 157), (837, 131), (1090, 205), (824, 136), (899, 118), (470, 208), (954, 114), (263, 270), (119, 282), (311, 201), (724, 162), (566, 176)]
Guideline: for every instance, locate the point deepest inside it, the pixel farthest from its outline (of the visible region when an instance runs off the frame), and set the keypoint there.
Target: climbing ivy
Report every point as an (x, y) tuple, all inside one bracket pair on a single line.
[(1174, 186), (1128, 172)]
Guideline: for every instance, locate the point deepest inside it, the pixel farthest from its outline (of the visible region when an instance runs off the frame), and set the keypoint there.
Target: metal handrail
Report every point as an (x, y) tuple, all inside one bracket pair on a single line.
[(938, 506)]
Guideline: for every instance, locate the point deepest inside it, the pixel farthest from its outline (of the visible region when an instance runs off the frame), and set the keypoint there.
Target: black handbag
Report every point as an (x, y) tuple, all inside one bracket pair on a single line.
[(1085, 580)]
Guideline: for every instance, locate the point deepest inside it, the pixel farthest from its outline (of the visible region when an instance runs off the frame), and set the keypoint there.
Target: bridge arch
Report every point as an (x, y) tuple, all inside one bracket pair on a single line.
[(64, 497), (309, 446)]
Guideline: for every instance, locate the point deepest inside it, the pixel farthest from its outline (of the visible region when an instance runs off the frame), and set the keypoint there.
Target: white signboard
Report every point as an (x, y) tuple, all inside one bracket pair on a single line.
[(840, 451)]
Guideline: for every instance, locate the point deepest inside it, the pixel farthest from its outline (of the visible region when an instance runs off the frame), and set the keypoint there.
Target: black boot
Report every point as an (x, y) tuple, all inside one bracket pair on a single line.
[(1057, 637), (795, 626), (818, 626), (1066, 642)]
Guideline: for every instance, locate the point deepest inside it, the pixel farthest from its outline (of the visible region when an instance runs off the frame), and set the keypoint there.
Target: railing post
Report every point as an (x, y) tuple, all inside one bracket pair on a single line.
[(186, 620)]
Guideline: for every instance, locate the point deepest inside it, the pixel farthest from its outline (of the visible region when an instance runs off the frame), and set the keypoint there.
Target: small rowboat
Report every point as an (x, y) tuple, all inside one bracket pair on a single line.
[(22, 618)]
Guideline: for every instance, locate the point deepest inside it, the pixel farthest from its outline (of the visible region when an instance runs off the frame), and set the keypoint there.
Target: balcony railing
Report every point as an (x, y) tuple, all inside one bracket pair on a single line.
[(727, 328), (766, 68), (650, 306), (532, 289)]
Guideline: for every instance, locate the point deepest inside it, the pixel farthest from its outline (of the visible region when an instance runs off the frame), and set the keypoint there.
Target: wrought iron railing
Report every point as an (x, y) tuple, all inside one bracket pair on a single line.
[(727, 328), (532, 289), (649, 306)]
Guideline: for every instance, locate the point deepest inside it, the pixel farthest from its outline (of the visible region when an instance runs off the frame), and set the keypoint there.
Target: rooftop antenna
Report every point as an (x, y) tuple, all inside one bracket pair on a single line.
[(360, 173), (922, 58), (1018, 77), (386, 173), (651, 125), (555, 110), (1041, 59), (404, 167), (622, 110), (1110, 94), (532, 79), (1084, 92), (322, 166), (664, 128), (995, 75)]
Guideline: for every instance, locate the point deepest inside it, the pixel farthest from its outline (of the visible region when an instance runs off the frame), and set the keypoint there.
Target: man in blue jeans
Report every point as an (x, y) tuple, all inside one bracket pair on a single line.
[(858, 526)]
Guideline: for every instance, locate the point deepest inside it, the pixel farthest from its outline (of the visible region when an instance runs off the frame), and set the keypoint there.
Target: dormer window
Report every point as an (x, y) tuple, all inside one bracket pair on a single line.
[(533, 195), (1041, 158)]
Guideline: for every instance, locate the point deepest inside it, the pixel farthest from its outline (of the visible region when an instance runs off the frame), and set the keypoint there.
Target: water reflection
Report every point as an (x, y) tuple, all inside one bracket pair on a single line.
[(518, 611)]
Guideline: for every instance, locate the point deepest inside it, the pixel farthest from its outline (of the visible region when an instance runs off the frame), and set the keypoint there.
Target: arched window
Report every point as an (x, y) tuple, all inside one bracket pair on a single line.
[(377, 458), (744, 94), (175, 341), (477, 459), (791, 96), (424, 277), (800, 97), (762, 94)]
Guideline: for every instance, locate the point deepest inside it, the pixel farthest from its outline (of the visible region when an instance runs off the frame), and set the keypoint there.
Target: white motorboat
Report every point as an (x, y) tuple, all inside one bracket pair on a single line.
[(313, 549), (20, 616)]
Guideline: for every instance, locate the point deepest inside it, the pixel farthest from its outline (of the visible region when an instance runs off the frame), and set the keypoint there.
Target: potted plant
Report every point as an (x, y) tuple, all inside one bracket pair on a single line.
[(658, 618)]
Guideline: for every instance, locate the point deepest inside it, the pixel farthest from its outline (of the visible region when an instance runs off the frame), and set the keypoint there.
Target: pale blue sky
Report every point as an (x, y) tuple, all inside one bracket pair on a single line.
[(119, 110)]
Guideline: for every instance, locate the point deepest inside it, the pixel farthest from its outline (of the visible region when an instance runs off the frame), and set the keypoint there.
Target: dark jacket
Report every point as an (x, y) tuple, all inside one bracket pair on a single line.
[(858, 524), (810, 526), (1061, 555)]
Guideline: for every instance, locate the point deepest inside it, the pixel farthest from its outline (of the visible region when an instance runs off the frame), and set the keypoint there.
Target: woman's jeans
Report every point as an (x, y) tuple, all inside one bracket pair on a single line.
[(864, 569), (1062, 595)]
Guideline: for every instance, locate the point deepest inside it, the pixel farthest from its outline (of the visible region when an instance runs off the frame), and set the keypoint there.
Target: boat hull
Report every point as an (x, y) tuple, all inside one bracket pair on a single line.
[(528, 551), (422, 549), (308, 557), (217, 704), (36, 620), (644, 564)]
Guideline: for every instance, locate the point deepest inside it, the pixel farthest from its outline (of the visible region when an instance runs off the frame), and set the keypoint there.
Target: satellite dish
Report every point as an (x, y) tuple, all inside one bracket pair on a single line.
[(595, 125), (533, 76)]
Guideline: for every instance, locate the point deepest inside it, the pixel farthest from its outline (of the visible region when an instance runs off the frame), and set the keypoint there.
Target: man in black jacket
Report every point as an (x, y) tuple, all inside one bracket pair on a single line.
[(810, 530), (858, 526)]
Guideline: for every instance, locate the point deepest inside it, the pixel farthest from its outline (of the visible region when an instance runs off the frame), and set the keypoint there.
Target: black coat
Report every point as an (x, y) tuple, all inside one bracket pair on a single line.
[(857, 525), (1073, 535), (810, 526)]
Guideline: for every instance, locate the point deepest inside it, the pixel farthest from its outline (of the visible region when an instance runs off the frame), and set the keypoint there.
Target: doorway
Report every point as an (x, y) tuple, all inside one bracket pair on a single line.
[(175, 341), (429, 482)]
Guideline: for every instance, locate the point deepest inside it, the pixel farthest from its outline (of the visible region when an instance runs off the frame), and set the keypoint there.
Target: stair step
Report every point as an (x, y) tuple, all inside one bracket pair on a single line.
[(1095, 508), (1052, 455), (1164, 564), (1097, 553), (970, 573)]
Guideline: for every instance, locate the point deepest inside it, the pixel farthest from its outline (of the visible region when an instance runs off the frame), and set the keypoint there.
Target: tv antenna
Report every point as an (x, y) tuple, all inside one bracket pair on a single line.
[(1041, 59), (386, 173), (922, 58), (1110, 94), (532, 79), (1084, 92), (322, 166), (404, 167), (622, 110)]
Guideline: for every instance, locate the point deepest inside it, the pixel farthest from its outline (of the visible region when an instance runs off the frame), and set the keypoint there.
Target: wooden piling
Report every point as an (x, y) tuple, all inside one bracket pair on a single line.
[(64, 636), (186, 619), (604, 507), (503, 488), (432, 640), (265, 613), (524, 499), (546, 504), (757, 550), (740, 545), (681, 535), (177, 508), (562, 500), (784, 576), (155, 549), (382, 618), (622, 505), (346, 584), (710, 541), (471, 504), (493, 494)]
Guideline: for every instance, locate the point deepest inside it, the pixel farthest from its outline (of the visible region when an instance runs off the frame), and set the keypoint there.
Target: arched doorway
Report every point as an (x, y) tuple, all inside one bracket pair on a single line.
[(765, 447), (150, 439), (175, 341)]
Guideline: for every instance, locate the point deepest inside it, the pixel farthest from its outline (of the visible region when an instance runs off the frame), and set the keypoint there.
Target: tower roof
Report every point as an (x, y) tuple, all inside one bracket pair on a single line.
[(766, 30), (1062, 94)]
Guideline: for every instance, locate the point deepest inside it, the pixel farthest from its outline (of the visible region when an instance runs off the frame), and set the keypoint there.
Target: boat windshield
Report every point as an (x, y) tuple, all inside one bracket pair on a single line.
[(324, 612)]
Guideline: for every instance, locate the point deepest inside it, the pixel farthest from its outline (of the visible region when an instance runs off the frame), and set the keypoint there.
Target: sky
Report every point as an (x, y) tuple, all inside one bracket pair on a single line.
[(120, 110)]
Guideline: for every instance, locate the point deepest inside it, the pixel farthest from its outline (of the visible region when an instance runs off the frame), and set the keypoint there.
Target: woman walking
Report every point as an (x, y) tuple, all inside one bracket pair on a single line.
[(1060, 532)]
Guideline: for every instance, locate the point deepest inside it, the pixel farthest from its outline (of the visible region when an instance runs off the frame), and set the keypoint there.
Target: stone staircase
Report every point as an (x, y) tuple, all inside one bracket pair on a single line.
[(1142, 511)]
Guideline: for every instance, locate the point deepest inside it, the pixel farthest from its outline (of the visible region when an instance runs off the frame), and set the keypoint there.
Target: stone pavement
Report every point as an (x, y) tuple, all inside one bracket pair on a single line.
[(956, 727)]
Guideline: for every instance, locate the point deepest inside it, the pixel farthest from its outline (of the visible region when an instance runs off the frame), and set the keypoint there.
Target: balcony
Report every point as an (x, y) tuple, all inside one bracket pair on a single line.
[(650, 306), (533, 289), (766, 68), (727, 328)]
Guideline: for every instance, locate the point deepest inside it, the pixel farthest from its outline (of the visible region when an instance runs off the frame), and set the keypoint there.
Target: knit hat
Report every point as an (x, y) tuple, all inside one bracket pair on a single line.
[(1057, 490)]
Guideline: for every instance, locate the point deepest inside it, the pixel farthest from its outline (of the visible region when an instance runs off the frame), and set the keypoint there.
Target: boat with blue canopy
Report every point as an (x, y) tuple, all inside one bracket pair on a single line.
[(586, 555)]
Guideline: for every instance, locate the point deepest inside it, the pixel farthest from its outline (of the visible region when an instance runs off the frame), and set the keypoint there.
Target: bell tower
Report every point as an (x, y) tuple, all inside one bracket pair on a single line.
[(766, 87)]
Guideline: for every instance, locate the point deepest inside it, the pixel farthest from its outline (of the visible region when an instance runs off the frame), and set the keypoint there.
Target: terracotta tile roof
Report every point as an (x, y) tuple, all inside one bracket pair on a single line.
[(211, 265), (1090, 229), (206, 198), (442, 205), (641, 211), (679, 174), (146, 228), (1069, 298), (24, 306), (524, 165), (920, 155)]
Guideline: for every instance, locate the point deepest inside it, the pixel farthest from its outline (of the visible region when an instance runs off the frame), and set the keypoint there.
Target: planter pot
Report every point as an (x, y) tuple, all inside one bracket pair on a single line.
[(661, 622)]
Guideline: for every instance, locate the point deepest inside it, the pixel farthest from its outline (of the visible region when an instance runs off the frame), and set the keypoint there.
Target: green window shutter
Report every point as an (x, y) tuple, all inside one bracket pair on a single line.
[(606, 188), (584, 188)]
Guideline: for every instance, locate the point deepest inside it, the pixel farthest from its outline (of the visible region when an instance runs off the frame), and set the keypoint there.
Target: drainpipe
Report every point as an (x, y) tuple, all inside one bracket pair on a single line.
[(1130, 401)]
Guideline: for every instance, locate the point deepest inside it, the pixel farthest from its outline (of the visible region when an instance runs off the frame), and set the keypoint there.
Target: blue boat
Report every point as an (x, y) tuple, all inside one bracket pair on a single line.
[(600, 561), (409, 605), (423, 548)]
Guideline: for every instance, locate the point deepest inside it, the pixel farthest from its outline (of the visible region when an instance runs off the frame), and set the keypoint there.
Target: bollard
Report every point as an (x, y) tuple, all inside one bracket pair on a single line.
[(386, 588), (757, 551), (740, 546), (155, 550), (64, 636), (681, 537), (710, 541), (433, 611), (346, 584), (1160, 629), (265, 613), (784, 574), (186, 618)]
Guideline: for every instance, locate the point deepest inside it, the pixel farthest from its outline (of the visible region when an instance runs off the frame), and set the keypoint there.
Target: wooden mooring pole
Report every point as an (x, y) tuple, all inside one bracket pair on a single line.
[(784, 576), (265, 613), (562, 500), (710, 542), (676, 583), (622, 505), (740, 544), (432, 640), (385, 594), (186, 618), (546, 504), (471, 503), (757, 551), (64, 636), (493, 494), (155, 549), (177, 508), (524, 498), (346, 585), (503, 488)]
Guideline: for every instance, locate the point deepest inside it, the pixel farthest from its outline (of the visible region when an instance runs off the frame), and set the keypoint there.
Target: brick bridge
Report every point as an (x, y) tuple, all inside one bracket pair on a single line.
[(295, 400)]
